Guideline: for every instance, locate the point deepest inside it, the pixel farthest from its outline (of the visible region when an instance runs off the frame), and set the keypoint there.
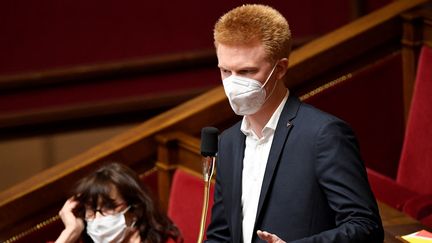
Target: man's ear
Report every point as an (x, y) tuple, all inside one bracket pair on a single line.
[(282, 68)]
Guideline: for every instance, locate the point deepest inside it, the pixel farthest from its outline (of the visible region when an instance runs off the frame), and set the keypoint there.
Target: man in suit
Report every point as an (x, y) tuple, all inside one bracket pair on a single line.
[(287, 172)]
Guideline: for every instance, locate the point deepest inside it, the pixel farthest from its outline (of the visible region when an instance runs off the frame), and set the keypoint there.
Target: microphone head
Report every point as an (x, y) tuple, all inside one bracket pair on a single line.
[(209, 141)]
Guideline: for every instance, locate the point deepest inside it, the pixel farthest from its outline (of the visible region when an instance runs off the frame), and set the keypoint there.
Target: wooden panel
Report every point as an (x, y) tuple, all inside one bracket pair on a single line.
[(175, 150), (397, 224), (417, 32)]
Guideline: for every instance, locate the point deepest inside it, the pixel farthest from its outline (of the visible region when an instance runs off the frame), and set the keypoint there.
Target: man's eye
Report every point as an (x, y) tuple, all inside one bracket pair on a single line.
[(244, 72)]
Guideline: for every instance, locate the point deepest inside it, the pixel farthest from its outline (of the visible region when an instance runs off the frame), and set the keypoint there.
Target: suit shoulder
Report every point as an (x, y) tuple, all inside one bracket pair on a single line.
[(318, 116), (313, 121)]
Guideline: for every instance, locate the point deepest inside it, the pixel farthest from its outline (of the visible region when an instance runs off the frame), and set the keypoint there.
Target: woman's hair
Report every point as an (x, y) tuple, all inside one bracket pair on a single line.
[(95, 189), (254, 22)]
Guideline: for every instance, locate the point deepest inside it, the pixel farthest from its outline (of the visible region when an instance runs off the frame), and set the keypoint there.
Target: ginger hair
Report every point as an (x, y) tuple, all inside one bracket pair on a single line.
[(250, 23)]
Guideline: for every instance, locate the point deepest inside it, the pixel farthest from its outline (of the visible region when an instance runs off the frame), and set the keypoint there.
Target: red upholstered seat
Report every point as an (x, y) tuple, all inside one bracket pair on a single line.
[(415, 166), (388, 190), (185, 203), (412, 189)]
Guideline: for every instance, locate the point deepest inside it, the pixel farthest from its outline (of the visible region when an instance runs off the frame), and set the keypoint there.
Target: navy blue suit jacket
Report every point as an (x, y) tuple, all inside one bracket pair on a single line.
[(315, 187)]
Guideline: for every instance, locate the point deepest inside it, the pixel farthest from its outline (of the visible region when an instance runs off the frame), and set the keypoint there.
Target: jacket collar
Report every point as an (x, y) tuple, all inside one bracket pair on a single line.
[(283, 129)]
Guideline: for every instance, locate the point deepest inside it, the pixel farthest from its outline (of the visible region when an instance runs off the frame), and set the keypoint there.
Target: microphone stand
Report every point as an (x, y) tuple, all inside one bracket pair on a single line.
[(208, 168)]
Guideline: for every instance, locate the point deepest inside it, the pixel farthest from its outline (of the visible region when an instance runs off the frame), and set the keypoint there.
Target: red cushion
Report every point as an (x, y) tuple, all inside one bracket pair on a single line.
[(419, 207), (186, 202), (427, 221), (388, 190), (415, 165)]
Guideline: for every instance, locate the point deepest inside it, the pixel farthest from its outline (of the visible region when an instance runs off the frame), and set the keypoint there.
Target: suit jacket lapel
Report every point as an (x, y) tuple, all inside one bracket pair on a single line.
[(236, 217), (282, 130)]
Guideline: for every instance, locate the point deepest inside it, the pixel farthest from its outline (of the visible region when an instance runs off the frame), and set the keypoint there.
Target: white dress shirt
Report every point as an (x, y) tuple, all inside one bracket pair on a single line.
[(254, 163)]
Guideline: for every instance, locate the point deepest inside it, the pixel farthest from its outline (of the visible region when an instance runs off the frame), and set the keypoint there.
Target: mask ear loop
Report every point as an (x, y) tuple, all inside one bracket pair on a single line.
[(125, 210), (268, 78), (133, 223), (134, 218)]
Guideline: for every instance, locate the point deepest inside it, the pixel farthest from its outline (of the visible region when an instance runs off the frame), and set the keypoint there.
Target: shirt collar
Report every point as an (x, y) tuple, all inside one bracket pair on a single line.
[(271, 124)]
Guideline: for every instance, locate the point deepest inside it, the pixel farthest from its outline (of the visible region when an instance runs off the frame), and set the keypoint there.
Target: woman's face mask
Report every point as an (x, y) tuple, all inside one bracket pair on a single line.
[(108, 228), (246, 96)]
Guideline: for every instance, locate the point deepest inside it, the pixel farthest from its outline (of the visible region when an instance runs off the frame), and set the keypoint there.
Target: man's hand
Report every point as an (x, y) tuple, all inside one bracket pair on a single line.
[(270, 238)]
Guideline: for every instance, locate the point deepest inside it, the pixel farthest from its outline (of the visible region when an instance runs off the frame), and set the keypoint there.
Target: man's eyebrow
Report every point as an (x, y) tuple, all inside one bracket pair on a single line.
[(248, 69), (240, 68)]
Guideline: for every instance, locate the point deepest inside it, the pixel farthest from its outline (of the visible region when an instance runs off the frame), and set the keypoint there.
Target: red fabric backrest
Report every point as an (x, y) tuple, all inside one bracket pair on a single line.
[(415, 165), (149, 180), (185, 204)]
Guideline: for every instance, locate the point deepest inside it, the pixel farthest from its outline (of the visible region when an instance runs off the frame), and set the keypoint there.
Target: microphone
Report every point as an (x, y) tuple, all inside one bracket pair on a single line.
[(209, 148)]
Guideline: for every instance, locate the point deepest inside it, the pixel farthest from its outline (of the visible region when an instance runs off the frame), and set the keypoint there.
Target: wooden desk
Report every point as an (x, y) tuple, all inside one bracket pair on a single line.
[(397, 223)]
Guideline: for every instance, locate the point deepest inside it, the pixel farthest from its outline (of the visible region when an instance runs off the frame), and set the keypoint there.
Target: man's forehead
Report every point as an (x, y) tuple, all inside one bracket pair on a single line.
[(241, 57), (239, 66)]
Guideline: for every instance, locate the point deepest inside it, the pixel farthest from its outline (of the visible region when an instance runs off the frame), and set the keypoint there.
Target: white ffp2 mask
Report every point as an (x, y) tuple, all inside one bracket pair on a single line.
[(246, 95), (107, 229)]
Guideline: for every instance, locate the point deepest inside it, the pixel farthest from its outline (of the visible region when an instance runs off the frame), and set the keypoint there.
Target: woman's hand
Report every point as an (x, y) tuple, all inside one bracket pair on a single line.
[(73, 225)]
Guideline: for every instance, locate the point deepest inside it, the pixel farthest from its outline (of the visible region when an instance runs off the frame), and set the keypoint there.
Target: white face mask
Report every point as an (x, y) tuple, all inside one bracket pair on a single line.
[(246, 95), (107, 229)]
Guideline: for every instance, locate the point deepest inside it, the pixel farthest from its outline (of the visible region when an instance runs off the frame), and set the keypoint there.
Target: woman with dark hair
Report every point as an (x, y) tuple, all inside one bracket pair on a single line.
[(110, 205)]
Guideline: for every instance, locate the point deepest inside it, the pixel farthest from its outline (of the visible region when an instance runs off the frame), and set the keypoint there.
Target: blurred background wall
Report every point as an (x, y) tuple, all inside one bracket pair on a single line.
[(47, 35)]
